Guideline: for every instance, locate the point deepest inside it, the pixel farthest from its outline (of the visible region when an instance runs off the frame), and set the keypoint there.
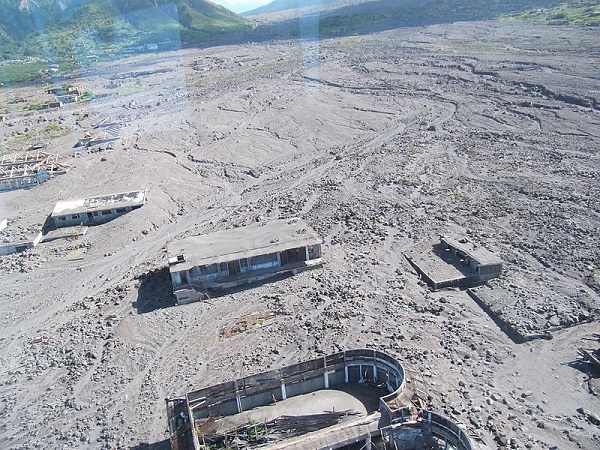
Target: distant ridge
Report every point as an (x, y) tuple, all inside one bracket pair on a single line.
[(284, 5), (65, 28)]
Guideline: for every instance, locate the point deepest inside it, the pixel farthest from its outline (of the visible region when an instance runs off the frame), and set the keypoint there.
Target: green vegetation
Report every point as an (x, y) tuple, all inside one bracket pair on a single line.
[(19, 142), (19, 72), (87, 95), (347, 23), (582, 13), (79, 34)]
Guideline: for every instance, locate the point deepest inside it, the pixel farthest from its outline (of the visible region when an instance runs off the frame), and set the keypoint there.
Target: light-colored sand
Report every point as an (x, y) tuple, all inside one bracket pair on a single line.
[(381, 143)]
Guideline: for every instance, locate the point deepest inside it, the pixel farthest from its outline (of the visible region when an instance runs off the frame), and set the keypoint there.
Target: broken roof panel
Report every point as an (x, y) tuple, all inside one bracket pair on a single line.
[(98, 203), (238, 243)]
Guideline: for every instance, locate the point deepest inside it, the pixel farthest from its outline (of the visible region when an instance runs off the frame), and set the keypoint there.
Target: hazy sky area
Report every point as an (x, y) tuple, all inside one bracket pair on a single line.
[(240, 6)]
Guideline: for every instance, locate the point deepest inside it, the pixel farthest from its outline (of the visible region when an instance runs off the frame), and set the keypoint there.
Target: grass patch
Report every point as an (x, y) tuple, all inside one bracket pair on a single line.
[(576, 13), (18, 143), (21, 72), (348, 23)]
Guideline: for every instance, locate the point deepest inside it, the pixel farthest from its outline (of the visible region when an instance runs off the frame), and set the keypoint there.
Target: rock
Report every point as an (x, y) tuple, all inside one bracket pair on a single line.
[(554, 321), (526, 394)]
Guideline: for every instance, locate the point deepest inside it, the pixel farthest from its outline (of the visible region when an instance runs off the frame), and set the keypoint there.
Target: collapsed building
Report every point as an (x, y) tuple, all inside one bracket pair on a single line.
[(481, 261), (96, 210), (14, 241), (107, 132), (31, 169), (228, 258), (456, 262), (250, 412)]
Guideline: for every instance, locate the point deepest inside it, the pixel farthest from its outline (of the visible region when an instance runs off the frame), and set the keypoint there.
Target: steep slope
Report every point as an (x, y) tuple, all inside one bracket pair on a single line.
[(352, 16), (64, 28), (284, 5)]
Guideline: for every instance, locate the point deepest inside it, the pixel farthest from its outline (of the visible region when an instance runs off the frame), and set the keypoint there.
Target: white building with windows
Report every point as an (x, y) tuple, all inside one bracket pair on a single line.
[(228, 258), (96, 210)]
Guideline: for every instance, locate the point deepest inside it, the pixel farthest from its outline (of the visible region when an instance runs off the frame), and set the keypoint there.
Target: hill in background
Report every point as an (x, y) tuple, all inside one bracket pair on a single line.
[(62, 35), (343, 17), (80, 29)]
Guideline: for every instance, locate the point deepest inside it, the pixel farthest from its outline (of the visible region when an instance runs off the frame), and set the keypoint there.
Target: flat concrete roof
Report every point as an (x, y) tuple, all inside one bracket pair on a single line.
[(243, 242), (474, 251), (109, 201)]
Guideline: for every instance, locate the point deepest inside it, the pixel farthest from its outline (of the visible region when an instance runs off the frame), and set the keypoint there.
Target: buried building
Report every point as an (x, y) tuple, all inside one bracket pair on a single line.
[(311, 405), (31, 169), (96, 210), (228, 258), (456, 262)]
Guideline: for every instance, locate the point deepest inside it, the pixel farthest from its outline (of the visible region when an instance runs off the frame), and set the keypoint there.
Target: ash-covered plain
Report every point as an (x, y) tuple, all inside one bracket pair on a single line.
[(382, 143)]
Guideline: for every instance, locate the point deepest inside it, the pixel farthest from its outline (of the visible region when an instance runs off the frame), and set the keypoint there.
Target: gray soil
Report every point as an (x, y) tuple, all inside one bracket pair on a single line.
[(381, 143)]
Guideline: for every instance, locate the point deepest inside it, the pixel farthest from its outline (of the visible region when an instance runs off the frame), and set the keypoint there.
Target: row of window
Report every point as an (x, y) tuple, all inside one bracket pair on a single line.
[(244, 264), (105, 212)]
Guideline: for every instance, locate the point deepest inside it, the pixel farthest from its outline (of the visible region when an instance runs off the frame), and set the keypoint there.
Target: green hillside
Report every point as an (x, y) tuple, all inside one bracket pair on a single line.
[(578, 12), (75, 29)]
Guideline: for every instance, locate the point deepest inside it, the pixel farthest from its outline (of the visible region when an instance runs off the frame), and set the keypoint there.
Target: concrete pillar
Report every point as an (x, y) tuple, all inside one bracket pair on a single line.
[(176, 278), (346, 374), (368, 442), (326, 376), (306, 249), (283, 392), (238, 400), (374, 373)]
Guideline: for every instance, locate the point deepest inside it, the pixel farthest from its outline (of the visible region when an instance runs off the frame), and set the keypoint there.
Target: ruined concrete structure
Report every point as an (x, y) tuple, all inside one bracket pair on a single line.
[(456, 262), (228, 258), (96, 210), (16, 242), (31, 169), (193, 420), (484, 263)]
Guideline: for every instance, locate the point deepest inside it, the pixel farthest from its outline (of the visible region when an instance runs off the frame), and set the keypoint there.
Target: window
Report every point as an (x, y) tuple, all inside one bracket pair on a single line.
[(75, 216), (121, 210), (106, 212), (263, 259), (244, 263), (314, 251), (205, 270)]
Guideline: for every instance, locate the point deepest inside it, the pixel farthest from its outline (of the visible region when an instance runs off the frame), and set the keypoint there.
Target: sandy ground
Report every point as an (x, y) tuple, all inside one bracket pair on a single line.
[(382, 143)]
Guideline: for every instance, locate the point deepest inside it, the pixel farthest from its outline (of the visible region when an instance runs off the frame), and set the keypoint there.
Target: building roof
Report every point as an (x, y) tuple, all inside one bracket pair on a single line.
[(474, 251), (99, 203), (238, 243)]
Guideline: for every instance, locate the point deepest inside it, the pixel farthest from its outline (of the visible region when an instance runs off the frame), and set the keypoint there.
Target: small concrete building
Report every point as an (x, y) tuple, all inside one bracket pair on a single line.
[(16, 241), (96, 210), (228, 258), (481, 261)]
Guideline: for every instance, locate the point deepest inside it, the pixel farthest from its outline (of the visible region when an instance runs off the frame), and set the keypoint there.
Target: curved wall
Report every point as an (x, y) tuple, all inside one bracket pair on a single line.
[(351, 366)]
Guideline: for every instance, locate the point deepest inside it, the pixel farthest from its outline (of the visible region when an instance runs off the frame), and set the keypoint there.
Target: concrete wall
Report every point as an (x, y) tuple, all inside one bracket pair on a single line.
[(259, 390), (232, 397), (193, 285), (97, 217), (16, 247)]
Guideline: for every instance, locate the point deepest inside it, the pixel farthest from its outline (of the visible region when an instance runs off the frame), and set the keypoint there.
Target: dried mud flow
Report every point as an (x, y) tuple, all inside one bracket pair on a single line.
[(382, 143)]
